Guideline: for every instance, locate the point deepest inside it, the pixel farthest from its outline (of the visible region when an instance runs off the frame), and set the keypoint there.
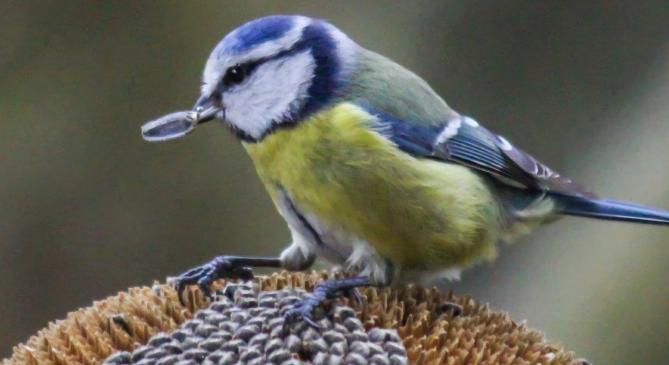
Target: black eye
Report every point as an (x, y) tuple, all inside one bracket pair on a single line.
[(234, 75)]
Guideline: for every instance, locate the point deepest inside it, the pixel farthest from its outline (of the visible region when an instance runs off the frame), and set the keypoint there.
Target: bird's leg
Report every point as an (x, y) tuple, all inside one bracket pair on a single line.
[(294, 258), (323, 291), (231, 267)]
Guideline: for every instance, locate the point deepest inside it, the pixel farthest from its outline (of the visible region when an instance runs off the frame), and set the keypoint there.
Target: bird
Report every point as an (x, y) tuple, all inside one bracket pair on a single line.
[(370, 168)]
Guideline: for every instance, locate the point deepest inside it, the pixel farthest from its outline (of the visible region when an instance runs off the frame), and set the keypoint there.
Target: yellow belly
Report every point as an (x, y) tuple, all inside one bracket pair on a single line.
[(419, 214)]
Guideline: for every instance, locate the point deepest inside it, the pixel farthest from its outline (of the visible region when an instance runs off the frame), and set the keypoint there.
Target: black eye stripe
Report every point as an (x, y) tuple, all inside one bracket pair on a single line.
[(238, 73), (249, 67)]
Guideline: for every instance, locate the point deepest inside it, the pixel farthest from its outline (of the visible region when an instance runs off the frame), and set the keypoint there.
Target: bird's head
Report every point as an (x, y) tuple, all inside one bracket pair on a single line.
[(268, 73)]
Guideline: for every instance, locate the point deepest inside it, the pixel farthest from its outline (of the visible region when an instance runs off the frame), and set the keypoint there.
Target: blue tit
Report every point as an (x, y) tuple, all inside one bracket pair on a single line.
[(369, 167)]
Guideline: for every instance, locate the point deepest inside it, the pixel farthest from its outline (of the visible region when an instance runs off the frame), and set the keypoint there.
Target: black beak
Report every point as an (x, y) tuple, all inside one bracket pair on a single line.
[(179, 124)]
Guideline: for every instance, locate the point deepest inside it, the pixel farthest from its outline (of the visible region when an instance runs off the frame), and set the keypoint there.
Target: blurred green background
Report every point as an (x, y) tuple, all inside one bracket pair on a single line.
[(87, 208)]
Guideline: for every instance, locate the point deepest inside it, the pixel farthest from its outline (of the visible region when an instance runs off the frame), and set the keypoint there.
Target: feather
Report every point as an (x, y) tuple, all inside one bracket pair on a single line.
[(469, 144), (609, 209), (420, 123), (472, 145)]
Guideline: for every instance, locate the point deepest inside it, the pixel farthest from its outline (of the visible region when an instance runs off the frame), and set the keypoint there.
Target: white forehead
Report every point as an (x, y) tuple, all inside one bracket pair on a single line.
[(227, 52)]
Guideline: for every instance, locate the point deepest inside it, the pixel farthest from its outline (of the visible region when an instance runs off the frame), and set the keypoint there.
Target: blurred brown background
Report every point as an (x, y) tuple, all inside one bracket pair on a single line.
[(87, 208)]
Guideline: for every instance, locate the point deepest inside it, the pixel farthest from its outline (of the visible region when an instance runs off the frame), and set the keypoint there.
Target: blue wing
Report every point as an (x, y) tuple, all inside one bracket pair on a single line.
[(463, 141)]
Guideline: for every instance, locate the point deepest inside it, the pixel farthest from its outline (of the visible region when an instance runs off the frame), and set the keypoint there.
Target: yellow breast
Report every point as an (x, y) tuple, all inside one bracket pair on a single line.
[(420, 214)]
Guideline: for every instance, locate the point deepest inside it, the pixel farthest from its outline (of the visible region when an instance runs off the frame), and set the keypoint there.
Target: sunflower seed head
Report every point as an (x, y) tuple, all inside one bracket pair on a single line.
[(246, 331), (403, 325)]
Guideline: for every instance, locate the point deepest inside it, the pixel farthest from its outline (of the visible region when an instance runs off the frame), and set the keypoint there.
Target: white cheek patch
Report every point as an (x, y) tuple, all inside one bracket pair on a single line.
[(274, 91)]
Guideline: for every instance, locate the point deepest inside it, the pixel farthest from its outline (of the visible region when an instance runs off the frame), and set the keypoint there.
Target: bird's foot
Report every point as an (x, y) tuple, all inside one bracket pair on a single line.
[(329, 289), (203, 276)]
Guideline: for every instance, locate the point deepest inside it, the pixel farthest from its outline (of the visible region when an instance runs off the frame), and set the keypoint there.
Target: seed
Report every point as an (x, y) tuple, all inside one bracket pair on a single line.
[(156, 354), (119, 358), (228, 358), (279, 356), (246, 332), (140, 352), (205, 330), (379, 359), (355, 359), (360, 348), (195, 354), (398, 360), (394, 348), (168, 360), (212, 344)]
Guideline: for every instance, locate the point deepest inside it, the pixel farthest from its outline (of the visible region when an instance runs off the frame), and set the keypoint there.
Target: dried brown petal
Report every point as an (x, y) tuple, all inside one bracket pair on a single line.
[(429, 334)]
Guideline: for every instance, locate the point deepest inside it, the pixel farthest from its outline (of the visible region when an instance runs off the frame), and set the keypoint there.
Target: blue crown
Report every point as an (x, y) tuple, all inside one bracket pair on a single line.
[(256, 32)]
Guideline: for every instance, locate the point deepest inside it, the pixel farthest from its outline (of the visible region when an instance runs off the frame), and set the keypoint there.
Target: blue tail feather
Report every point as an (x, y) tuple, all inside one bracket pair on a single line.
[(609, 209)]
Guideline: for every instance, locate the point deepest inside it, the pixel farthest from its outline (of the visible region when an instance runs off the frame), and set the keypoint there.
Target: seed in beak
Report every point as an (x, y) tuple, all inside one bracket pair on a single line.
[(170, 126)]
